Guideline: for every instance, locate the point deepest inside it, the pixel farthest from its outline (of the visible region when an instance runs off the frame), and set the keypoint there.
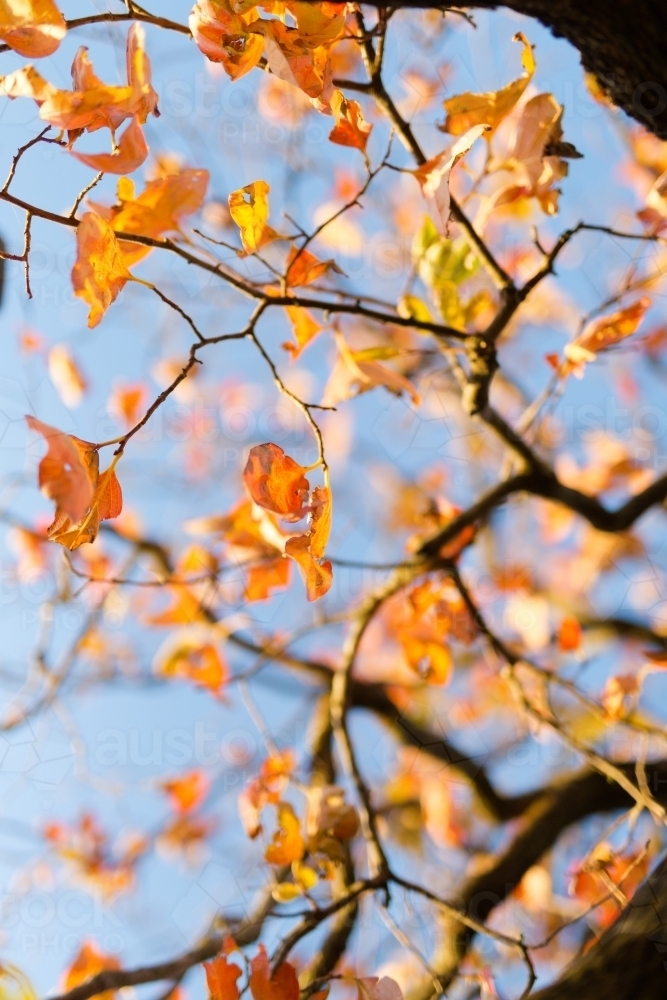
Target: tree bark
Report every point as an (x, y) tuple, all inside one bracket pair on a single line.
[(622, 42), (630, 960)]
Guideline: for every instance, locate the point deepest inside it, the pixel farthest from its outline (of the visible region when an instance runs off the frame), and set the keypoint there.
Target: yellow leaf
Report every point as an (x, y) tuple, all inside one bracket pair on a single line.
[(466, 110), (33, 28), (99, 273), (287, 844), (249, 208)]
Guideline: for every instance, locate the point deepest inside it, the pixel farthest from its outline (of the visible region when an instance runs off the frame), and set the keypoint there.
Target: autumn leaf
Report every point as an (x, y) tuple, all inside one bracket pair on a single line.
[(569, 635), (106, 504), (317, 23), (303, 268), (92, 104), (328, 813), (249, 208), (291, 59), (266, 788), (433, 176), (282, 985), (66, 376), (356, 372), (99, 273), (605, 332), (318, 576), (68, 471), (276, 482), (372, 988), (467, 110), (186, 792), (160, 208), (223, 36), (304, 326), (88, 962), (287, 844), (33, 28), (192, 654), (221, 977), (127, 157), (262, 579), (127, 401), (350, 128)]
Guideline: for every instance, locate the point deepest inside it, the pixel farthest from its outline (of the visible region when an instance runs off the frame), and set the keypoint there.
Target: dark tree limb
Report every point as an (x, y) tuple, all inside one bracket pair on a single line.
[(629, 962), (622, 42)]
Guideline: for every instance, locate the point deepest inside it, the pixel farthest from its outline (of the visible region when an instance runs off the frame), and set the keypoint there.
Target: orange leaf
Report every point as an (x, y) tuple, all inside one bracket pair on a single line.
[(466, 110), (287, 844), (318, 576), (126, 401), (606, 332), (304, 326), (92, 104), (291, 59), (276, 482), (187, 791), (66, 376), (303, 267), (569, 635), (130, 153), (88, 963), (34, 28), (68, 471), (268, 576), (184, 609), (99, 273), (221, 977), (191, 654), (282, 985), (107, 503), (267, 787), (222, 35), (433, 176), (320, 525), (350, 129), (158, 210)]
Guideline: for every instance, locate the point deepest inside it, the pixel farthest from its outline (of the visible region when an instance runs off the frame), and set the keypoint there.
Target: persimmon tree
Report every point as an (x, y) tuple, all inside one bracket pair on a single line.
[(416, 583)]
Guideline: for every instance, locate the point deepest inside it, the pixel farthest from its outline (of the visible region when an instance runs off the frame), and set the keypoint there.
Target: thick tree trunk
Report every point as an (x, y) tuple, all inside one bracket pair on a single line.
[(623, 42), (630, 960)]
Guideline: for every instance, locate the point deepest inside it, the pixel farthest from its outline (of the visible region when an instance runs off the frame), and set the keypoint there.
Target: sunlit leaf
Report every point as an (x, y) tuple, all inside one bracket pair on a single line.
[(128, 156), (99, 273), (276, 482), (282, 985), (33, 28), (287, 844), (223, 36), (221, 979), (350, 128)]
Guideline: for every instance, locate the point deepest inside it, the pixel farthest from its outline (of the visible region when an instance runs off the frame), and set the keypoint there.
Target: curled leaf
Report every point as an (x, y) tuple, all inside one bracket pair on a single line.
[(68, 471), (317, 576), (287, 844), (249, 208), (433, 176), (282, 985), (107, 503), (276, 482), (128, 156), (223, 36), (466, 110), (33, 28), (99, 272), (221, 977), (350, 129)]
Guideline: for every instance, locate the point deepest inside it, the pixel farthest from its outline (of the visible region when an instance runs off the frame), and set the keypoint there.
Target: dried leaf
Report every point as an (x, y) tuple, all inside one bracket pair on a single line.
[(99, 273), (304, 326), (68, 471), (33, 28), (66, 376), (249, 208), (287, 844), (291, 59), (350, 129), (303, 268), (127, 157), (318, 576), (606, 332), (276, 482), (192, 654), (88, 962), (186, 792), (466, 110), (433, 176), (221, 977), (282, 985), (107, 503), (223, 36)]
